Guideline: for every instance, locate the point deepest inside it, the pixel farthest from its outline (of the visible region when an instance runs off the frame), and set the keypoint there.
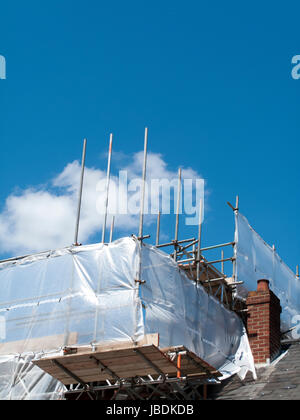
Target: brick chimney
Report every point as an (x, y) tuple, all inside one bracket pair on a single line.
[(263, 323)]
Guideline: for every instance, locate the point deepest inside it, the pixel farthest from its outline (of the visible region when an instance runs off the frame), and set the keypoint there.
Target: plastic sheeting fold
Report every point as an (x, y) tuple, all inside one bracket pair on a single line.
[(88, 294), (256, 260)]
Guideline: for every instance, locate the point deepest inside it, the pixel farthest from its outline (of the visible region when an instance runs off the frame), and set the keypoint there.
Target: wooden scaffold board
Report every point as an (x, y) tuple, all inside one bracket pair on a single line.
[(122, 361)]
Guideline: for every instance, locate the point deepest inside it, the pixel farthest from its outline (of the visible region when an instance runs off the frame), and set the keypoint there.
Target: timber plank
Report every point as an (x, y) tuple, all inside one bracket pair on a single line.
[(103, 356), (125, 363), (119, 369), (127, 357)]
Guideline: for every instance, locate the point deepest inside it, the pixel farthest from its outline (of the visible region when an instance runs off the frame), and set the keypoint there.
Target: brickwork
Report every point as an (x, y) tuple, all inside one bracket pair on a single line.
[(263, 323)]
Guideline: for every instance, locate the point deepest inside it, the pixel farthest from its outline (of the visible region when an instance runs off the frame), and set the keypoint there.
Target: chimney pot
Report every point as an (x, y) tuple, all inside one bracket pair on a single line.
[(263, 285)]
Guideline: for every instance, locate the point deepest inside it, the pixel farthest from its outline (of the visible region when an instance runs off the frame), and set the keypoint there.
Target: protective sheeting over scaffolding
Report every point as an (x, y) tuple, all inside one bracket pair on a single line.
[(256, 260), (106, 293), (20, 379), (181, 311)]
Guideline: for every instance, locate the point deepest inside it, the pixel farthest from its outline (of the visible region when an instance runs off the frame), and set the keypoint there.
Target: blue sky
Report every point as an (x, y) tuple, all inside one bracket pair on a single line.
[(211, 80)]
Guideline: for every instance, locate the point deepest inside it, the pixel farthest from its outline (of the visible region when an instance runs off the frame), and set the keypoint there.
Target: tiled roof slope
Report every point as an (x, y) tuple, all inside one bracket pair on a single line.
[(279, 381)]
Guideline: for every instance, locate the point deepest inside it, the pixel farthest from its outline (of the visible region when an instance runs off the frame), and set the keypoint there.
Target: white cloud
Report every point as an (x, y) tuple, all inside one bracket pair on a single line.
[(35, 220), (43, 218)]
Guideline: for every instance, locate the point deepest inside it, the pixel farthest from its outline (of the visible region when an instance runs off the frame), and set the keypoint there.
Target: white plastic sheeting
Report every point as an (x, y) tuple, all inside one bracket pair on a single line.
[(22, 380), (87, 291), (182, 312), (256, 260), (82, 295)]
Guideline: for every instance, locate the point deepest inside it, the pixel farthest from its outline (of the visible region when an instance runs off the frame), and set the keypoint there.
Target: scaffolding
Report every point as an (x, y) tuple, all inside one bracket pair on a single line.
[(91, 296), (174, 371)]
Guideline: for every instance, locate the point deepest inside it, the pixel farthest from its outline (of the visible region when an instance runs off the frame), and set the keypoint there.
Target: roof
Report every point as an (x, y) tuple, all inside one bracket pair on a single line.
[(278, 381)]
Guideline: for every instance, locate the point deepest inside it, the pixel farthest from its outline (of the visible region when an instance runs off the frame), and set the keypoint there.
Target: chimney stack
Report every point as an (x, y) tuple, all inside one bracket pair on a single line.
[(263, 323)]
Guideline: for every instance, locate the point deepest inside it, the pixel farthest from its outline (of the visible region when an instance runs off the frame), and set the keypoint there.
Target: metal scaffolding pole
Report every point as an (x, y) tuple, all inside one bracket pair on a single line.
[(107, 188), (222, 261), (177, 213), (236, 210), (112, 229), (199, 239), (158, 229), (237, 203), (216, 246), (143, 186), (172, 243), (80, 193), (140, 236)]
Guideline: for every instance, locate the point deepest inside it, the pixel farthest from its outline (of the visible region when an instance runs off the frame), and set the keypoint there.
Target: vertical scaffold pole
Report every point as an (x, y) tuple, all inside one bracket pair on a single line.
[(158, 229), (237, 203), (112, 229), (107, 188), (222, 261), (177, 213), (80, 193), (236, 210), (199, 239), (143, 186)]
